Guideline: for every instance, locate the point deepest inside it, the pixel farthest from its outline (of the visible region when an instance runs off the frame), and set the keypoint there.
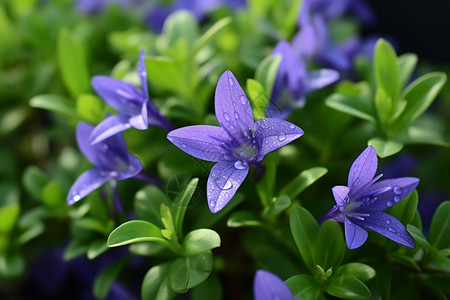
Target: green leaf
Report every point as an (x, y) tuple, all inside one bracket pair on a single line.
[(387, 70), (135, 231), (278, 205), (361, 271), (418, 236), (72, 63), (266, 185), (181, 203), (330, 247), (266, 72), (9, 207), (164, 72), (404, 260), (12, 266), (383, 104), (347, 287), (104, 281), (156, 283), (90, 108), (188, 272), (210, 289), (258, 98), (385, 148), (419, 96), (243, 218), (299, 183), (198, 241), (304, 229), (96, 249), (439, 234), (211, 33), (53, 194), (55, 103), (304, 287), (427, 129), (351, 105), (406, 64), (181, 25), (404, 210), (147, 204)]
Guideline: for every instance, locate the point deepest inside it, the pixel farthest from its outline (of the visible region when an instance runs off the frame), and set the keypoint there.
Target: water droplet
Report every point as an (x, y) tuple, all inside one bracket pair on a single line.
[(105, 147), (243, 100), (281, 137), (397, 198), (227, 117), (223, 183), (113, 173), (397, 190), (388, 222), (240, 165), (292, 126), (230, 80), (76, 197), (183, 145), (391, 229), (236, 115), (389, 203), (212, 203)]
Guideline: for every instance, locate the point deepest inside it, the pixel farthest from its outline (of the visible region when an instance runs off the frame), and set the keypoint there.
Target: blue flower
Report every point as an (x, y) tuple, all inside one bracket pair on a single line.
[(293, 78), (235, 145), (360, 204), (111, 161), (95, 6), (133, 105), (268, 286)]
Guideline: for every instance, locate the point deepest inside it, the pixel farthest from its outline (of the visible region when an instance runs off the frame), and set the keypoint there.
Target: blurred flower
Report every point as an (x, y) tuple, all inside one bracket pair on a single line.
[(237, 143), (293, 78), (359, 205), (111, 162), (95, 6), (268, 286), (331, 9), (133, 105)]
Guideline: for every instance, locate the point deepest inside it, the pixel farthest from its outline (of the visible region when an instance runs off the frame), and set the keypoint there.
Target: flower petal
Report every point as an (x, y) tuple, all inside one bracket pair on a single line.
[(340, 192), (275, 133), (233, 111), (142, 72), (388, 226), (223, 182), (134, 168), (122, 96), (201, 141), (363, 169), (355, 236), (268, 286), (385, 193), (321, 78), (86, 184), (140, 121), (109, 127)]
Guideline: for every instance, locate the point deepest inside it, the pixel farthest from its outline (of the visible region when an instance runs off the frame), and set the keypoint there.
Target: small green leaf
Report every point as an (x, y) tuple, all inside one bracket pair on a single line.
[(147, 204), (164, 72), (181, 203), (304, 287), (385, 148), (406, 64), (266, 185), (330, 245), (55, 103), (387, 70), (210, 289), (351, 105), (135, 231), (188, 272), (428, 129), (53, 194), (347, 287), (104, 281), (73, 64), (9, 207), (383, 104), (211, 33), (156, 283), (96, 248), (302, 181), (359, 270), (12, 266), (181, 25), (439, 234), (278, 205), (198, 241), (266, 72), (243, 218), (90, 108), (258, 98), (418, 236), (404, 260)]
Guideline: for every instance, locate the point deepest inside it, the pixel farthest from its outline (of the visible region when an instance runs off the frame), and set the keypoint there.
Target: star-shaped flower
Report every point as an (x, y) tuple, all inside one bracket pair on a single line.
[(293, 77), (360, 204), (133, 105), (268, 286), (237, 143), (111, 160)]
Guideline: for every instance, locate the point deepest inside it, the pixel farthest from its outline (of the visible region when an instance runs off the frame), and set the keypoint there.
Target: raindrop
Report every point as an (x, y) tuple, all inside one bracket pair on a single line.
[(227, 117), (240, 165), (236, 115), (281, 137), (389, 203), (113, 173), (397, 190), (183, 145), (292, 126), (76, 197), (230, 81), (228, 184), (243, 100), (212, 203), (105, 147), (391, 229), (397, 198), (388, 222)]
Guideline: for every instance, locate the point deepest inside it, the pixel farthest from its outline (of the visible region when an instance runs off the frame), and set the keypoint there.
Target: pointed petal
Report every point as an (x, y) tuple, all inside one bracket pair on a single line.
[(340, 192), (201, 141), (142, 72), (385, 193), (86, 184), (363, 169), (233, 111), (275, 133), (223, 182), (122, 96), (321, 78), (109, 127), (134, 168), (355, 236), (388, 226), (140, 121), (268, 286)]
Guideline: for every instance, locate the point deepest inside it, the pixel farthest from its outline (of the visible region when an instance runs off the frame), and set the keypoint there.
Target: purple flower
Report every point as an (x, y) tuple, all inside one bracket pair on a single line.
[(360, 204), (237, 143), (331, 9), (133, 105), (294, 78), (111, 162), (95, 6), (268, 286)]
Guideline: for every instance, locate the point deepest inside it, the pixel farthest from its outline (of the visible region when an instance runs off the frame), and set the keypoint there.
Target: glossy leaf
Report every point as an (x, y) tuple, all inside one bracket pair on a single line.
[(164, 72), (266, 185), (54, 103), (418, 236), (188, 272), (351, 105), (361, 271), (279, 204), (211, 33), (104, 281), (147, 204), (199, 241), (439, 234), (243, 218), (258, 98), (90, 108), (156, 283), (387, 70), (9, 207), (385, 148), (347, 287), (304, 287), (406, 64), (266, 72), (330, 246), (181, 203), (135, 231), (211, 288), (181, 25), (303, 180), (404, 210)]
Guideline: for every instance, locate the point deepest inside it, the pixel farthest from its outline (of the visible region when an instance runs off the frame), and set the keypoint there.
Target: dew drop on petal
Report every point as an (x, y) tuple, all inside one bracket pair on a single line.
[(391, 229), (240, 165), (292, 126), (212, 203), (389, 203), (226, 116), (76, 197), (397, 190), (236, 115), (183, 145), (388, 222), (243, 100), (230, 80), (281, 137), (227, 185), (113, 173)]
